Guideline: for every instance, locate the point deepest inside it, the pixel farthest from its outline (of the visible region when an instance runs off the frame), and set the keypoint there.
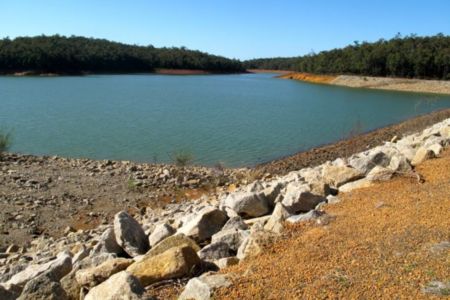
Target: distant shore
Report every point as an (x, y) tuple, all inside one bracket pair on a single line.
[(156, 71), (380, 83)]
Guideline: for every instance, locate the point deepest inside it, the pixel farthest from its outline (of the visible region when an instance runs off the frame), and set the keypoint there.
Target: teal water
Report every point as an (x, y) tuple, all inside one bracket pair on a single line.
[(234, 119)]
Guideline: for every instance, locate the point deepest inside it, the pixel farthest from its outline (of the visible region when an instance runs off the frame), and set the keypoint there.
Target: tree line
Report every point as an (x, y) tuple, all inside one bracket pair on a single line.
[(410, 56), (59, 54)]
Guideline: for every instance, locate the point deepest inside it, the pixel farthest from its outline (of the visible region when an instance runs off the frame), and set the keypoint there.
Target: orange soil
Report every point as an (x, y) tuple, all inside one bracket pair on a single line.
[(378, 246), (314, 78)]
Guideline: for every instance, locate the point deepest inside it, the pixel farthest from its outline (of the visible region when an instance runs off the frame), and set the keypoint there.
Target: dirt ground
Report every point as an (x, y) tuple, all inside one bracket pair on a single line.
[(388, 241)]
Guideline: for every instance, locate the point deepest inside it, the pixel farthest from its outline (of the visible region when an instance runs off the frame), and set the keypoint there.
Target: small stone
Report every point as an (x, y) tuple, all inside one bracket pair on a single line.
[(312, 215)]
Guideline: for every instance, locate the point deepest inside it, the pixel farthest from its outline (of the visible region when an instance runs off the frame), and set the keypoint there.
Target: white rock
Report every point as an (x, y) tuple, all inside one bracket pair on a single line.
[(57, 267), (130, 235), (247, 204), (207, 222), (362, 183), (160, 232), (312, 215), (380, 174), (201, 288), (275, 222), (421, 155), (232, 237), (296, 197)]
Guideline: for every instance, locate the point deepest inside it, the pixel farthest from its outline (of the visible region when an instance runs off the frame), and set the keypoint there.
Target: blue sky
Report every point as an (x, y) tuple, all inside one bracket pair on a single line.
[(238, 29)]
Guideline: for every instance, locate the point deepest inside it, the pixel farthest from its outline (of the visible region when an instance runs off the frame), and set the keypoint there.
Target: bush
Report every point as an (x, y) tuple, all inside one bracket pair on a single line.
[(183, 158), (5, 141)]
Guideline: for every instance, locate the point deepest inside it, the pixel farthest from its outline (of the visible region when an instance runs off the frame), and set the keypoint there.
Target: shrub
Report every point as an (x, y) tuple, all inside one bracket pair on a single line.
[(5, 141), (183, 158)]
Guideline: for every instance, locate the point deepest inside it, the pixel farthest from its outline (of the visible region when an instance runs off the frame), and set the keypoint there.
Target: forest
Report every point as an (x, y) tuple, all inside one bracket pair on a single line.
[(410, 56), (75, 55)]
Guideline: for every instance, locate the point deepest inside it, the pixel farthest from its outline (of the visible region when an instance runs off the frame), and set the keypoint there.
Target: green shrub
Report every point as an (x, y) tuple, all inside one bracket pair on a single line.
[(5, 141), (183, 158)]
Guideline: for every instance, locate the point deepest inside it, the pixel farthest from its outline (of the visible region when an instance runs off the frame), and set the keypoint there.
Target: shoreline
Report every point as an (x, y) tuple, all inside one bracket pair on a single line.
[(440, 87), (158, 71)]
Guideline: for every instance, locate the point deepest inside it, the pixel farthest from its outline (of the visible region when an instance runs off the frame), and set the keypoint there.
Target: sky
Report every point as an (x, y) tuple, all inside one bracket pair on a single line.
[(242, 29)]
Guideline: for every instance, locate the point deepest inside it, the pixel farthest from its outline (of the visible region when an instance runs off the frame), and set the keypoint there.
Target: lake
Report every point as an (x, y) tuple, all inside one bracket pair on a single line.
[(238, 120)]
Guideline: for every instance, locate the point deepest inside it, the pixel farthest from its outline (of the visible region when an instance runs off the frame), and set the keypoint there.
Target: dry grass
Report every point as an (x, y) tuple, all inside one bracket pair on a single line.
[(378, 247)]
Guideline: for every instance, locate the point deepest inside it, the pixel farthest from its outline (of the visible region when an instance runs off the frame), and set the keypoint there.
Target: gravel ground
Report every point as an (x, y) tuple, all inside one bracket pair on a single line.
[(388, 241)]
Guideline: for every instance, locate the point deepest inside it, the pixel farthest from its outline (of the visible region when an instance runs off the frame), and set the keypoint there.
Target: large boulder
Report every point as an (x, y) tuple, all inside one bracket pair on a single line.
[(173, 263), (235, 223), (96, 275), (246, 204), (202, 288), (160, 232), (130, 235), (207, 221), (119, 286), (296, 197), (57, 268)]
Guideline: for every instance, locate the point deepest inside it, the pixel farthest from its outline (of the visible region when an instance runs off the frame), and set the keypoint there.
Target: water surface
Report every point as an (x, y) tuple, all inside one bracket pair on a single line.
[(234, 119)]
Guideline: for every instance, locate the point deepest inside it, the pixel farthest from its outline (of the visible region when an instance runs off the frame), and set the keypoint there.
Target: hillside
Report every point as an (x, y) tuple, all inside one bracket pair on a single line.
[(410, 57), (74, 55)]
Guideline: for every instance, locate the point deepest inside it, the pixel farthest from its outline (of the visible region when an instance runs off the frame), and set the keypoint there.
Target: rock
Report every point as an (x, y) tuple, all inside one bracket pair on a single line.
[(160, 232), (235, 223), (201, 288), (436, 149), (80, 255), (333, 199), (177, 240), (96, 275), (421, 155), (214, 251), (311, 215), (254, 244), (399, 164), (119, 286), (6, 294), (57, 268), (366, 162), (407, 151), (130, 235), (437, 288), (108, 243), (359, 184), (338, 175), (70, 285), (232, 237), (43, 287), (296, 197), (206, 222), (247, 204), (380, 174), (173, 263), (226, 262), (279, 215)]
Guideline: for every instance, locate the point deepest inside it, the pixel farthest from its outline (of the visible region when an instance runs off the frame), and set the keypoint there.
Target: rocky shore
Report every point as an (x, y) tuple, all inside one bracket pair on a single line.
[(144, 247), (379, 83)]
